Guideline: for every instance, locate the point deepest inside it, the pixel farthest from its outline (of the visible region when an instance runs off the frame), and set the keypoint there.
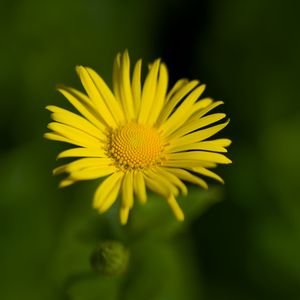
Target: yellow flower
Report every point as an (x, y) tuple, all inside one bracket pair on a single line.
[(140, 136)]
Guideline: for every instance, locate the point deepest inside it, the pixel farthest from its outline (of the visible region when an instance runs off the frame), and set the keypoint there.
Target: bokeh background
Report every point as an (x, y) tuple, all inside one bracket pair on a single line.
[(241, 240)]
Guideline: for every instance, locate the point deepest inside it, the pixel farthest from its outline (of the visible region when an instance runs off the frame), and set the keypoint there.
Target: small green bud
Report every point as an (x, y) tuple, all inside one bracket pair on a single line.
[(110, 258)]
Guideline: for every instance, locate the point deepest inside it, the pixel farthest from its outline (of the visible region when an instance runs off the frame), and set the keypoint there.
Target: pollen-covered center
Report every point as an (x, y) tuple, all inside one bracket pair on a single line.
[(135, 146)]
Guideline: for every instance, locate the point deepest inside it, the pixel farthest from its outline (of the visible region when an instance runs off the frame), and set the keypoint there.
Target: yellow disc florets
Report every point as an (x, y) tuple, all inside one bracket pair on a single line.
[(134, 146)]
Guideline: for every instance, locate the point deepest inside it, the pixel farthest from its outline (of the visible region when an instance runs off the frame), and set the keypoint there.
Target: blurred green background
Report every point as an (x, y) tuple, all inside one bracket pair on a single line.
[(246, 246)]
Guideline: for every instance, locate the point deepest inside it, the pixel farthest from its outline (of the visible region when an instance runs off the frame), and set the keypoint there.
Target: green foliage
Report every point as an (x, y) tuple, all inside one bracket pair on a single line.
[(154, 253)]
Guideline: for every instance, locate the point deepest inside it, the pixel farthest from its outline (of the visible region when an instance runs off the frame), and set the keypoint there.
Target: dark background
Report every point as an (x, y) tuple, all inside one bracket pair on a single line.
[(244, 247)]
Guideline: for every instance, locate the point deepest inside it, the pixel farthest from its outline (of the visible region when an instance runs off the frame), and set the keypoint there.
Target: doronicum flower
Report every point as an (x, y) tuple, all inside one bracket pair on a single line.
[(139, 135)]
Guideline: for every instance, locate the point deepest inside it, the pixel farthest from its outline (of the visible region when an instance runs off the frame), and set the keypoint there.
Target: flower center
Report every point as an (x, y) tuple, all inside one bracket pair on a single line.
[(134, 146)]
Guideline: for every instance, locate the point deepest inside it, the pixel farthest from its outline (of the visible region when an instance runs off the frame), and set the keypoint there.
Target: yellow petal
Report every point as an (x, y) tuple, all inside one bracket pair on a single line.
[(66, 182), (83, 104), (187, 176), (127, 189), (109, 99), (206, 145), (68, 118), (116, 77), (59, 138), (200, 155), (208, 173), (148, 93), (198, 136), (74, 134), (124, 212), (199, 111), (139, 186), (187, 163), (125, 87), (177, 86), (136, 85), (175, 99), (203, 103), (173, 179), (175, 208), (92, 173), (195, 125), (83, 163), (107, 192), (82, 152), (166, 187), (223, 142), (156, 187), (182, 113), (95, 96), (160, 95)]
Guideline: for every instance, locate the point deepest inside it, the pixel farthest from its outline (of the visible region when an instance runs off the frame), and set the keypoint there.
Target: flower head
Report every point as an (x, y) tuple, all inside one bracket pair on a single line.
[(138, 136)]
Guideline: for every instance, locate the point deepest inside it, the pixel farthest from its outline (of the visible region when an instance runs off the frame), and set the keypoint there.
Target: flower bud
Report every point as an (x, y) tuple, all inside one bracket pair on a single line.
[(110, 258)]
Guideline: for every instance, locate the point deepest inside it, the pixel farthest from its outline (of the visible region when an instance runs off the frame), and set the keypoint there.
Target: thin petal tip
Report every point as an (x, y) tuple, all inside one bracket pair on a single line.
[(79, 69), (49, 107), (229, 161), (181, 218), (46, 135), (65, 183)]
